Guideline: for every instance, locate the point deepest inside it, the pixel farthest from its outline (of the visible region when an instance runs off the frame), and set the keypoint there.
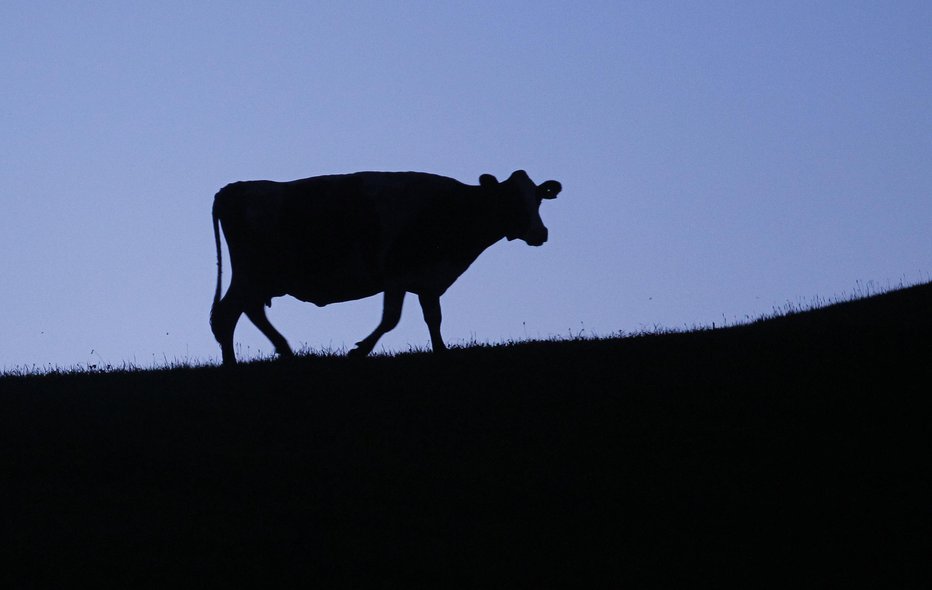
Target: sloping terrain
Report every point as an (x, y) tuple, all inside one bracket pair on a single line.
[(788, 450)]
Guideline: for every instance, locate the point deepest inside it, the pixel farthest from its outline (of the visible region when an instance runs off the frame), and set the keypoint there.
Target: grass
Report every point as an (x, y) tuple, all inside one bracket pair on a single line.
[(790, 450), (862, 290)]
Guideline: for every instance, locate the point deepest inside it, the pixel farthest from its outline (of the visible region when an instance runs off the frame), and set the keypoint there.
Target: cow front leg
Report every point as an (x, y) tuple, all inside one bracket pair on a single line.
[(391, 313), (430, 305)]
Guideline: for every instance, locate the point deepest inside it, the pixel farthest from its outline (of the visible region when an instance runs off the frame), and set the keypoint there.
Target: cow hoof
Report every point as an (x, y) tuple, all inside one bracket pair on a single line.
[(357, 353)]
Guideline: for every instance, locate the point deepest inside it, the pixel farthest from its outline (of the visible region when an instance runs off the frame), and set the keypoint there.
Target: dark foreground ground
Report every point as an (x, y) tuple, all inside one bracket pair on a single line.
[(789, 451)]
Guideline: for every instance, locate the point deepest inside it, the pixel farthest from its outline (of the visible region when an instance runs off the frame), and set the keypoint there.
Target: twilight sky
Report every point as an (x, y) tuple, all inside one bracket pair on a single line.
[(718, 159)]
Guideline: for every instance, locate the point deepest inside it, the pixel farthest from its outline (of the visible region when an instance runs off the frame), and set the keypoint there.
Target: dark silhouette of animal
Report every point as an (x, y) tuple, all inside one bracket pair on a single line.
[(342, 237)]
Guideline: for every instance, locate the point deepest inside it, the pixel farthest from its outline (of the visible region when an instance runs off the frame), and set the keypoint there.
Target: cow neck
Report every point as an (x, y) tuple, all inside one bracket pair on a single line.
[(488, 217)]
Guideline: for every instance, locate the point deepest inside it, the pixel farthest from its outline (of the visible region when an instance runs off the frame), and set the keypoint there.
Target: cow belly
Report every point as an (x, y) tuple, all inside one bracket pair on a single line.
[(342, 268), (332, 285), (322, 295)]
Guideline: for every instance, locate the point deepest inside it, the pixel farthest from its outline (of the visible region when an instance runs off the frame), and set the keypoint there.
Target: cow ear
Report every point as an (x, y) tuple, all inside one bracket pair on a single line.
[(487, 180), (549, 189)]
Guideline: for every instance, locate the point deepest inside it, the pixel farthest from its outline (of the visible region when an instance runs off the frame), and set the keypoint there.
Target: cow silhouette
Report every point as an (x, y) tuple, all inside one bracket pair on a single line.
[(337, 238)]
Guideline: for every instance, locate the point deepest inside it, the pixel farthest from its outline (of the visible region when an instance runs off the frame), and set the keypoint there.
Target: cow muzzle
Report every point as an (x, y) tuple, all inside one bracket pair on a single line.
[(537, 236)]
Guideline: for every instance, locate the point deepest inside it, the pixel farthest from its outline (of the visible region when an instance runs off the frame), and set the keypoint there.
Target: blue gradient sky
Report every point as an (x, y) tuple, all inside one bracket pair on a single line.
[(718, 158)]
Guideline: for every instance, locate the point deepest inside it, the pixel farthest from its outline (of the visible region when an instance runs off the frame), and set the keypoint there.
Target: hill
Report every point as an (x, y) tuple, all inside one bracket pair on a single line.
[(787, 450)]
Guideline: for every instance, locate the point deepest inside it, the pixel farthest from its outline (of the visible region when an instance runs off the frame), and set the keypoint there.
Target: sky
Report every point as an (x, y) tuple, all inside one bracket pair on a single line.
[(718, 159)]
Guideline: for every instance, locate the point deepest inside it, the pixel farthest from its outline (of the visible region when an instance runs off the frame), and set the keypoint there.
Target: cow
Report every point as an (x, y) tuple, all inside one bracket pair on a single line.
[(334, 238)]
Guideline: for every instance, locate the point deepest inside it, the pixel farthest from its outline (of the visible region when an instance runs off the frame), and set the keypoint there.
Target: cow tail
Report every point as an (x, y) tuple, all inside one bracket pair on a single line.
[(216, 217)]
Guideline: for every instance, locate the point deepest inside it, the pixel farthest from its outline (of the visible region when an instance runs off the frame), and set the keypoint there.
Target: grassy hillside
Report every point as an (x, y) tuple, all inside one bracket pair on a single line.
[(754, 452)]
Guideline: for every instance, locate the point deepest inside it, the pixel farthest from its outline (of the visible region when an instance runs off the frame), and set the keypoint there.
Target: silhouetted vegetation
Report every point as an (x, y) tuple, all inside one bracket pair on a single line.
[(786, 450)]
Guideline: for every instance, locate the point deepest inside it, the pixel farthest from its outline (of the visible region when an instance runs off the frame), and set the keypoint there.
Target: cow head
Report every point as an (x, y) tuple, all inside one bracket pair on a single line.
[(521, 199)]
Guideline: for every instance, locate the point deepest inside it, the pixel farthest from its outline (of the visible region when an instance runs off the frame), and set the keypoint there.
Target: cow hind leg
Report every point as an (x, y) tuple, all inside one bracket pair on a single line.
[(391, 313), (223, 318), (256, 314)]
